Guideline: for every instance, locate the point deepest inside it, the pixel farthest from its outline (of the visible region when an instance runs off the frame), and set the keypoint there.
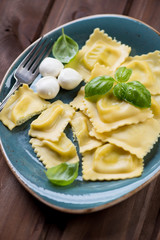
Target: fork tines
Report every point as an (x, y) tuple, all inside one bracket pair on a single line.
[(37, 54)]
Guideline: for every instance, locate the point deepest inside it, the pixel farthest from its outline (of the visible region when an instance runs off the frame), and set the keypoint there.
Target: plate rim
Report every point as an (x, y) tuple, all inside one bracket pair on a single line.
[(62, 209)]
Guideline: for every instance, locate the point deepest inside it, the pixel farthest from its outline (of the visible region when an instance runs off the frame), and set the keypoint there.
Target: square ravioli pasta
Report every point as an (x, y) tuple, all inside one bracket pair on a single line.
[(100, 70), (109, 162), (102, 49), (21, 106), (81, 127), (146, 69), (137, 138), (109, 113), (52, 122), (52, 153), (77, 103), (155, 106)]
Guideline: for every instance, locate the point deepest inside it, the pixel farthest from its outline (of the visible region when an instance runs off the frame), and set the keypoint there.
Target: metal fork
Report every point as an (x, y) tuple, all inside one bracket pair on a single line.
[(28, 69)]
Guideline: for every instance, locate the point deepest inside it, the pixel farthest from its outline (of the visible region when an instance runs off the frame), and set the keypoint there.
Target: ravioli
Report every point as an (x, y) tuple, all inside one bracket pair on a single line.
[(138, 138), (109, 113), (146, 69), (100, 70), (21, 106), (54, 153), (155, 106), (81, 127), (52, 122), (102, 49), (109, 162), (77, 102)]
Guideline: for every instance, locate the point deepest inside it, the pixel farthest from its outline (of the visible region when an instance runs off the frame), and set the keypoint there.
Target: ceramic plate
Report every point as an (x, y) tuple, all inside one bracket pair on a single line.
[(80, 196)]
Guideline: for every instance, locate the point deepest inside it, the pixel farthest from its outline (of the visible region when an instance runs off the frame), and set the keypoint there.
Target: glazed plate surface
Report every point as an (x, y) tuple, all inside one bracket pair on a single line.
[(81, 196)]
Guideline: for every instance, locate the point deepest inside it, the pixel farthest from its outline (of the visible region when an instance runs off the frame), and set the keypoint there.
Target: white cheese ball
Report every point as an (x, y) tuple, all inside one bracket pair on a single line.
[(50, 67), (47, 87), (69, 78)]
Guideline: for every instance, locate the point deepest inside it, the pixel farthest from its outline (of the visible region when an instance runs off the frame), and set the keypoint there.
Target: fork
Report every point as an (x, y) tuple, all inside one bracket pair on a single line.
[(28, 69)]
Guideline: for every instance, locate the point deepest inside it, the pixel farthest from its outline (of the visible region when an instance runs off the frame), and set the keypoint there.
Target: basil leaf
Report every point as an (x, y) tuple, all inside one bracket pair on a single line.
[(98, 86), (123, 74), (119, 90), (65, 48), (63, 174), (134, 93)]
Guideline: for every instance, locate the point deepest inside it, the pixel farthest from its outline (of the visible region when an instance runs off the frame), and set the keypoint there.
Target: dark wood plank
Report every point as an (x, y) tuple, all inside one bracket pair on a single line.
[(150, 229), (72, 9), (19, 213), (20, 24), (156, 232), (147, 11), (147, 213)]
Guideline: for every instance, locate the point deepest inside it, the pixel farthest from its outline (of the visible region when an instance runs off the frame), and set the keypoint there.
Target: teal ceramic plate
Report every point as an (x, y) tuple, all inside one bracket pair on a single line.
[(80, 196)]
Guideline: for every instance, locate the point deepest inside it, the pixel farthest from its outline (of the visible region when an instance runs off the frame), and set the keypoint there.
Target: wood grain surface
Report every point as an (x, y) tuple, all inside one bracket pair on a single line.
[(22, 217)]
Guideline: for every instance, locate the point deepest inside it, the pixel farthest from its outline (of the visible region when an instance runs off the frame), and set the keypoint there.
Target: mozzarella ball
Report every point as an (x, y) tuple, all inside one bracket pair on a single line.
[(47, 87), (50, 67), (69, 78)]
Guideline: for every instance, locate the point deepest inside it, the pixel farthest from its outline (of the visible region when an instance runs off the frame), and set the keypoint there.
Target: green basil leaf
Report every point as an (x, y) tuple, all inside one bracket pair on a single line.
[(123, 74), (134, 93), (98, 86), (63, 174), (65, 48), (119, 90)]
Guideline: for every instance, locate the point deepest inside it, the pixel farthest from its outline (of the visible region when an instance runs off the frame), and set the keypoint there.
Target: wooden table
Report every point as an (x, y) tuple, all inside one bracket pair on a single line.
[(22, 217)]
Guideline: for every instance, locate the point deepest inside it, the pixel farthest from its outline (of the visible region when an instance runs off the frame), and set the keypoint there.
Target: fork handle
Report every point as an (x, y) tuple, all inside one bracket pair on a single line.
[(13, 89)]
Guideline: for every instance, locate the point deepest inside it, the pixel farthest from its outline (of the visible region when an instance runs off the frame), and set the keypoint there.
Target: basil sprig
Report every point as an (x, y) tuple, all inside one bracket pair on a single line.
[(65, 48), (63, 174), (133, 92)]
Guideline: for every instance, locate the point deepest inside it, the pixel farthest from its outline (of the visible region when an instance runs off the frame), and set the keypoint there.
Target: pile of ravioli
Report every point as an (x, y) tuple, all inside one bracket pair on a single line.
[(113, 135)]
